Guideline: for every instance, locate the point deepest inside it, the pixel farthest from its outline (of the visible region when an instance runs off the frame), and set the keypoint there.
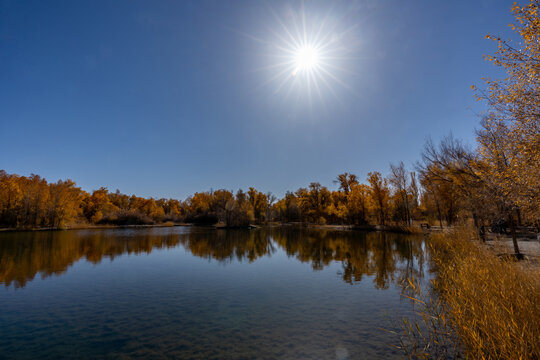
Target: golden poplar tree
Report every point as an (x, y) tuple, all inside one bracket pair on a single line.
[(509, 141)]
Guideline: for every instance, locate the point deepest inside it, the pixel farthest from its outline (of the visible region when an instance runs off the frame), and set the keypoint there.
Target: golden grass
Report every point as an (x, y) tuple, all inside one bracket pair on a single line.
[(479, 306)]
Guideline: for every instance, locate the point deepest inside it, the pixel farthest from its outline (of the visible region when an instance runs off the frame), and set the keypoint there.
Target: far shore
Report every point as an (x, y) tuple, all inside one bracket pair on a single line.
[(382, 228), (91, 227), (414, 229)]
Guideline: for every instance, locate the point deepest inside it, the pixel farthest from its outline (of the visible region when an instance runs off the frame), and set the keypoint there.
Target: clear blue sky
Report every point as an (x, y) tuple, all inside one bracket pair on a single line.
[(165, 98)]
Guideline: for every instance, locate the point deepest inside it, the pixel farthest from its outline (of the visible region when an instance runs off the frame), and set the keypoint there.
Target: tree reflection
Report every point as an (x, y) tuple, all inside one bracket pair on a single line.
[(227, 245), (25, 254), (384, 257)]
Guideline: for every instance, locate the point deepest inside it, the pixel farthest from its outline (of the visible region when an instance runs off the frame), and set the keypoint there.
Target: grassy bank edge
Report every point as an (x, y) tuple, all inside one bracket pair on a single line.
[(479, 306)]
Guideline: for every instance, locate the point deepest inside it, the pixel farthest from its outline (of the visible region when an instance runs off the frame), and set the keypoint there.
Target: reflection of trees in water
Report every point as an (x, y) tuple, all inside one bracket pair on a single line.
[(387, 257), (226, 245), (23, 255)]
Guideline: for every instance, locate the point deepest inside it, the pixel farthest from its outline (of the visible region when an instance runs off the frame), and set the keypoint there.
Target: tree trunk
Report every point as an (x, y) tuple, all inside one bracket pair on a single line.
[(514, 238), (439, 213), (407, 214)]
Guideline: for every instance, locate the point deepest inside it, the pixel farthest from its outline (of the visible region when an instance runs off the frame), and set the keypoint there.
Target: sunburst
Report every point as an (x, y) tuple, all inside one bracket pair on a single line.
[(308, 55)]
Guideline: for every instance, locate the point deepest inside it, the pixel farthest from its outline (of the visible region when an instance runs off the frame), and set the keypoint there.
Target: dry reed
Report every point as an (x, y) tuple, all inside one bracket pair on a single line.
[(478, 307)]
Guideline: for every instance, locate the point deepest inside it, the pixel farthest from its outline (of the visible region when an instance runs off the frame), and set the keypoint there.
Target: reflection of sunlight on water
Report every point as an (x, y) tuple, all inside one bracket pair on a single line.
[(341, 353)]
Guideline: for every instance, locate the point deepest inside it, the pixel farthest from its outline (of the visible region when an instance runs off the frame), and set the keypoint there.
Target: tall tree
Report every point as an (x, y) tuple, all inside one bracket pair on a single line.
[(399, 180), (357, 204), (379, 194), (509, 139), (346, 181)]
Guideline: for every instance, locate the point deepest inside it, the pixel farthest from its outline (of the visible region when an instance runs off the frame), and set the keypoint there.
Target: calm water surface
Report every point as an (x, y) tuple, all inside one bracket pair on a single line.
[(196, 293)]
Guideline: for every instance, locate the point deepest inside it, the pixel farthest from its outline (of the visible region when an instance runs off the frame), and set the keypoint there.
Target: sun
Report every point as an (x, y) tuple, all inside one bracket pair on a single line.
[(307, 54), (306, 59)]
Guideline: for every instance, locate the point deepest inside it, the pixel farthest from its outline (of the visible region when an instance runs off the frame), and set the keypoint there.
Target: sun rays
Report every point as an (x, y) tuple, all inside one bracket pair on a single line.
[(306, 55)]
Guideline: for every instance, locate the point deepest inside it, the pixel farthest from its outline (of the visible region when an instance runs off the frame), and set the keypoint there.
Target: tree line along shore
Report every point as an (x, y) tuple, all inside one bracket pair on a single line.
[(32, 203), (398, 201)]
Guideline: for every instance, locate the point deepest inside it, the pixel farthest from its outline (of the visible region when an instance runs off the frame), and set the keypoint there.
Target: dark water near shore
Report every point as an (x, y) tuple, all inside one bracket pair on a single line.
[(196, 293)]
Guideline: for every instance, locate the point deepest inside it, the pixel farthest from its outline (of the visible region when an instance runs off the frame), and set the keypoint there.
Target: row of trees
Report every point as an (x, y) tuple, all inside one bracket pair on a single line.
[(32, 202), (378, 201), (222, 206), (453, 184)]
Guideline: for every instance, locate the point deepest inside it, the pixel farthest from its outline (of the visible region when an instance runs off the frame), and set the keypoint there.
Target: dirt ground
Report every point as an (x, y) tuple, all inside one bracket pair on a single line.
[(528, 247)]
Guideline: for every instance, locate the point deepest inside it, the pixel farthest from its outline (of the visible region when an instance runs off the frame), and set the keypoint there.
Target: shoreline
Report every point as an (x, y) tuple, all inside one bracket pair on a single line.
[(92, 227), (370, 228), (491, 238)]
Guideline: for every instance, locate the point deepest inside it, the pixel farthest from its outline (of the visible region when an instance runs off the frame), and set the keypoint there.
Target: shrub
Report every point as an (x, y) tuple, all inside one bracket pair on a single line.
[(126, 217), (202, 219)]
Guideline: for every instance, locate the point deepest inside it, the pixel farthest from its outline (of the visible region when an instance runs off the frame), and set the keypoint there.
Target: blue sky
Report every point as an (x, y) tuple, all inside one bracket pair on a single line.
[(166, 98)]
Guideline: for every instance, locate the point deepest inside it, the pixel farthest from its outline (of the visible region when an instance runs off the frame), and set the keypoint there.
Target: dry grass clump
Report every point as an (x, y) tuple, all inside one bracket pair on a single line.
[(480, 306)]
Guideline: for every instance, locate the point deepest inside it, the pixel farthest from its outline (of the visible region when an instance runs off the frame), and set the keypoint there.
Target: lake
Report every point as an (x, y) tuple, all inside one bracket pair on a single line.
[(202, 293)]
